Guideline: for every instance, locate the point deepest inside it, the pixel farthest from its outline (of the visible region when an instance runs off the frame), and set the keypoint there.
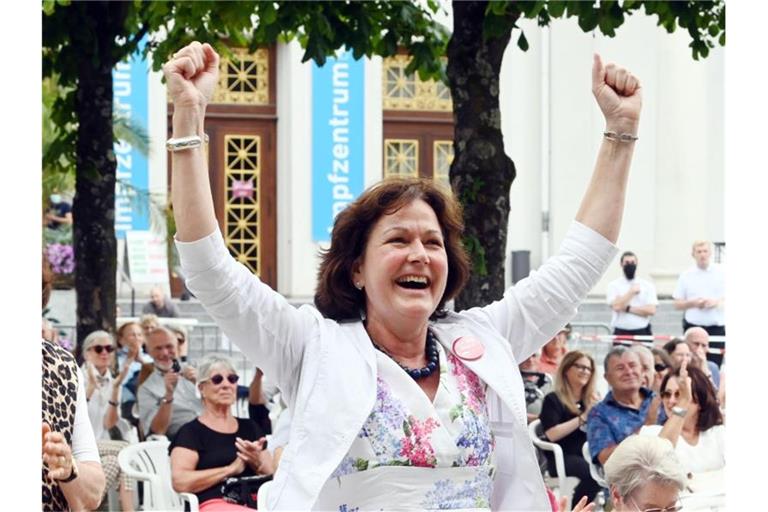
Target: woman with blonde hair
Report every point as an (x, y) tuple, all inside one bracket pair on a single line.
[(564, 415)]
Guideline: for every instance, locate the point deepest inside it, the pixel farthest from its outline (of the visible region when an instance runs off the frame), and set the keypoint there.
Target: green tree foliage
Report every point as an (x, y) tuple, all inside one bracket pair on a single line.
[(82, 42)]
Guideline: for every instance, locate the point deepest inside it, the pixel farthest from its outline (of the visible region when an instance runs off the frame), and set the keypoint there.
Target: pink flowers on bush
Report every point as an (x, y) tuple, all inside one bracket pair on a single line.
[(62, 258)]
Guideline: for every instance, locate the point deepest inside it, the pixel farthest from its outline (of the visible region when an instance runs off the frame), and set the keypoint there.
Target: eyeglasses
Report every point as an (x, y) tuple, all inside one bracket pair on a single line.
[(666, 395), (674, 508), (582, 368), (218, 378), (660, 367), (101, 348)]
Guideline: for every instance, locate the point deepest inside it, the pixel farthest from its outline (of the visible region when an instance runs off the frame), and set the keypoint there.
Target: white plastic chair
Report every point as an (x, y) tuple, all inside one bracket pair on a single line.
[(595, 472), (148, 462), (565, 484)]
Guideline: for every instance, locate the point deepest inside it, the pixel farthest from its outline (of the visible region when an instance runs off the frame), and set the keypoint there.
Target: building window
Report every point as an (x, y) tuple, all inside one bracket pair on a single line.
[(408, 92), (244, 78), (401, 158), (242, 162), (442, 156)]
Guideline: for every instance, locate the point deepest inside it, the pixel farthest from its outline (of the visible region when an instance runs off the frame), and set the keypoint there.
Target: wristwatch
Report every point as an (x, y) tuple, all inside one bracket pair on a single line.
[(164, 401), (679, 411)]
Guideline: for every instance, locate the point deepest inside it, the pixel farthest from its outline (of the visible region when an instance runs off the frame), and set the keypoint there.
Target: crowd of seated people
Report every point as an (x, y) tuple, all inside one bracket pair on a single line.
[(667, 393), (141, 382), (146, 378)]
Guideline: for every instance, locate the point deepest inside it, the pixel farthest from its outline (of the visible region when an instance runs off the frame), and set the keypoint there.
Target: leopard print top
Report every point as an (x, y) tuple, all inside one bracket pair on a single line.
[(59, 402)]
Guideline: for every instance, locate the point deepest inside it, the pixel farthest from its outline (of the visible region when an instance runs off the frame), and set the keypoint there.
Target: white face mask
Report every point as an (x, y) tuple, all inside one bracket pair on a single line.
[(55, 198)]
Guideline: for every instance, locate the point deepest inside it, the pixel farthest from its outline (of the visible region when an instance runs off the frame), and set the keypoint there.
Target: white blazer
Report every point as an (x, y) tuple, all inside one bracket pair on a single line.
[(327, 369)]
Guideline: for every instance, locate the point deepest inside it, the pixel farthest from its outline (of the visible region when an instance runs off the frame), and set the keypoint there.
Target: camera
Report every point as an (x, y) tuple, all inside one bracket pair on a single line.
[(176, 366)]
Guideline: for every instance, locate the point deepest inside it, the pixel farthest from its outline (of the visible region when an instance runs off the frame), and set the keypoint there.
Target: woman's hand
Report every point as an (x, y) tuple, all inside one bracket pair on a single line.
[(255, 455), (190, 373), (133, 352), (191, 75), (236, 467), (684, 384), (618, 94), (56, 454), (581, 506)]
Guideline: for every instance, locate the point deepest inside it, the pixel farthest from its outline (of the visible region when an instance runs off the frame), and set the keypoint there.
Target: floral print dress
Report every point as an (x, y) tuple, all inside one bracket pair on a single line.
[(413, 454)]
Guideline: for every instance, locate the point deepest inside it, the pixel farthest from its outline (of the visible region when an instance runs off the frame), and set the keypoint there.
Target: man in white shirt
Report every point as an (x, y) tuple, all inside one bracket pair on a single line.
[(700, 292), (632, 299)]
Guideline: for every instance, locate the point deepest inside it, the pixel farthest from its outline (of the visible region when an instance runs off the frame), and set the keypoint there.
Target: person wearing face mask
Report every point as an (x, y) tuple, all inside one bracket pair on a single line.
[(632, 299), (59, 213)]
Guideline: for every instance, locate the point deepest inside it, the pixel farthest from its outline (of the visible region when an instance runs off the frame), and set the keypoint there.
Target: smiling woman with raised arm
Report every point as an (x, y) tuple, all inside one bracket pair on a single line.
[(395, 400)]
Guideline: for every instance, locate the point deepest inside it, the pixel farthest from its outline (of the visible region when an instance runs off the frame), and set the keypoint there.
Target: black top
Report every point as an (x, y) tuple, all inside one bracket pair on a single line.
[(214, 449), (553, 413)]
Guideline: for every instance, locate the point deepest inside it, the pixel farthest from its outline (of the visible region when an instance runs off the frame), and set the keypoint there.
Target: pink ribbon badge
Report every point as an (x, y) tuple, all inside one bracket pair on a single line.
[(468, 348)]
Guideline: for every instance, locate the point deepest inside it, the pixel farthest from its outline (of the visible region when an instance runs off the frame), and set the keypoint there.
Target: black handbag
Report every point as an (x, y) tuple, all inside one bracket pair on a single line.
[(243, 490)]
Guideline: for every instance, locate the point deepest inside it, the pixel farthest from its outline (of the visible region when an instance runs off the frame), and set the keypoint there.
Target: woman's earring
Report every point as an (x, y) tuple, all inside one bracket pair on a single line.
[(358, 285)]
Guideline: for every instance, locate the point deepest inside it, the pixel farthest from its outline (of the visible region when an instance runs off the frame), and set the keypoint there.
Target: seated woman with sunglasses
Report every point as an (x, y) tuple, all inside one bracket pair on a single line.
[(694, 422), (216, 445), (563, 415), (102, 392)]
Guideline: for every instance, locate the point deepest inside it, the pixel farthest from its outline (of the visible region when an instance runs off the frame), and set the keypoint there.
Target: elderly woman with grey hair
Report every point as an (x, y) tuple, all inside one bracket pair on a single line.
[(216, 445), (645, 474), (102, 391)]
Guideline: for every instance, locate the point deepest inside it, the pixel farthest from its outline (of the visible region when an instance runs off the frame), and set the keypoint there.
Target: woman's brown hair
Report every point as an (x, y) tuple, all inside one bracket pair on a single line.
[(336, 297), (703, 393), (563, 388)]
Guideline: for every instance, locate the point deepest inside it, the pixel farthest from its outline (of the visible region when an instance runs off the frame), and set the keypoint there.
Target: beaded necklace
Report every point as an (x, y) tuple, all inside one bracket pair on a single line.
[(430, 350)]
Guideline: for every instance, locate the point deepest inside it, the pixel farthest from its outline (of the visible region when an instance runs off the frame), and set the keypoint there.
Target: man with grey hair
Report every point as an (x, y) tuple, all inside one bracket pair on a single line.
[(623, 410), (698, 341), (644, 473), (167, 399)]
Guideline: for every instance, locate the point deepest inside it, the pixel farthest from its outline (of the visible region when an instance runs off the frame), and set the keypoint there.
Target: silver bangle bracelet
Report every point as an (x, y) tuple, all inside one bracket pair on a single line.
[(620, 137), (184, 143)]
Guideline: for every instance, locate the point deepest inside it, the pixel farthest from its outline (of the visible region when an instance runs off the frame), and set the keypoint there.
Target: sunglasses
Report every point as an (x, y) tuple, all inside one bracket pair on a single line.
[(660, 367), (100, 348), (666, 395), (219, 378)]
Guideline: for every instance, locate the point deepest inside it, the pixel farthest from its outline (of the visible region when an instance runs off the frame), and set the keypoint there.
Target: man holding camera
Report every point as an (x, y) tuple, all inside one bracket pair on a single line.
[(167, 397)]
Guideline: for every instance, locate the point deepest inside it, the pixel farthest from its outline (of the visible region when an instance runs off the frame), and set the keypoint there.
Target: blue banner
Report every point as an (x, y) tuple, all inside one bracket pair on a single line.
[(130, 88), (338, 137)]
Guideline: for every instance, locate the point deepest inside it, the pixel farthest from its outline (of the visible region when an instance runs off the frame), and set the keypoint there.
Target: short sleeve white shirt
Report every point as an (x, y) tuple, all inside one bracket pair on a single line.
[(647, 296), (707, 455), (83, 442), (697, 283)]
